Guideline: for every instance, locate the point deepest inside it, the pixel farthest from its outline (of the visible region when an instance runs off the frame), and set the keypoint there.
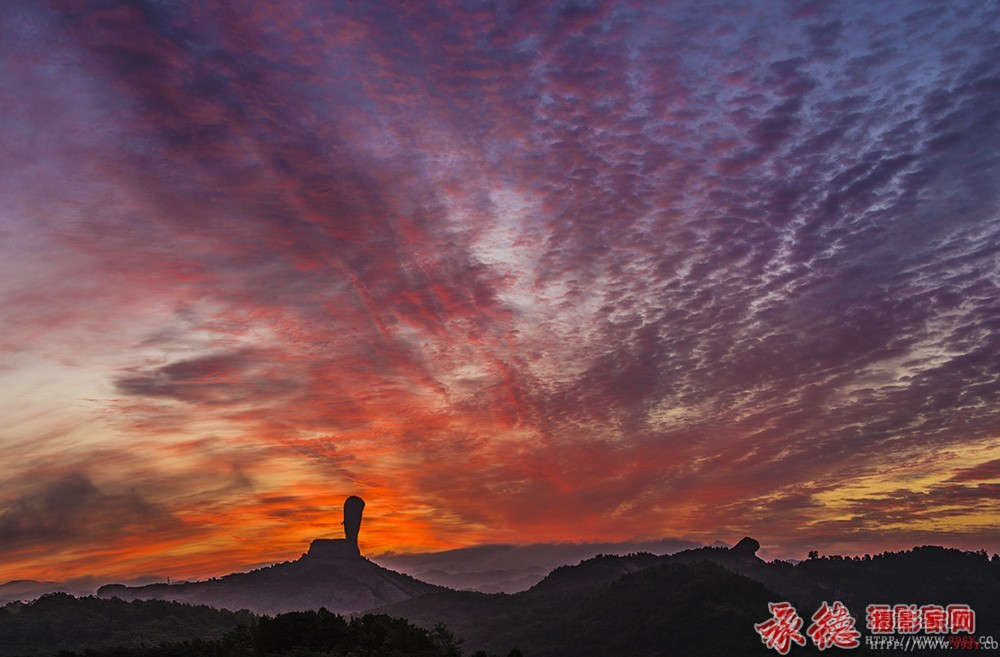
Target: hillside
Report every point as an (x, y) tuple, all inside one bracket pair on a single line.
[(320, 578), (62, 625), (699, 609), (698, 602), (504, 568), (702, 601), (59, 621)]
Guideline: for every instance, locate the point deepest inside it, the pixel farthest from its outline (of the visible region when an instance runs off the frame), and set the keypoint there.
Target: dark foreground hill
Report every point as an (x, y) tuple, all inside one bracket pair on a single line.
[(613, 608), (59, 621), (698, 602), (324, 577), (701, 602), (62, 625)]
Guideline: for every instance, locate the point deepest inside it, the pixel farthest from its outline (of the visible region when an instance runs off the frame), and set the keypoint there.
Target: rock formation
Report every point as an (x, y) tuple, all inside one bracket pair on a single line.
[(354, 506), (746, 547), (342, 548), (333, 574)]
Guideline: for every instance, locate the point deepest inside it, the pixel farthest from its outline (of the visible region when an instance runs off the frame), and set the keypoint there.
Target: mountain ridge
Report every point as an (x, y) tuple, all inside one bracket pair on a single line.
[(541, 619), (342, 584), (697, 602)]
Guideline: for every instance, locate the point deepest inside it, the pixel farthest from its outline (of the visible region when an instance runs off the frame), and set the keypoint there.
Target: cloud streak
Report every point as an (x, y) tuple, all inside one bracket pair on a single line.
[(512, 273)]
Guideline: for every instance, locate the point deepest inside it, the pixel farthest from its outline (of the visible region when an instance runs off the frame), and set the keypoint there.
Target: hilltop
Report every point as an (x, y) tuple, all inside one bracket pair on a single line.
[(331, 575), (700, 601)]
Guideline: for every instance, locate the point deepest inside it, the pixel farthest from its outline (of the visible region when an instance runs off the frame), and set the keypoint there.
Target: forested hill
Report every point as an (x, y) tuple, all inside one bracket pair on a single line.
[(59, 621), (698, 602), (62, 625), (660, 609), (701, 602)]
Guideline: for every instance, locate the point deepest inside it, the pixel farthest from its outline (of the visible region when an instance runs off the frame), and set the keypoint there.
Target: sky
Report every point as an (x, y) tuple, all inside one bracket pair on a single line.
[(513, 272)]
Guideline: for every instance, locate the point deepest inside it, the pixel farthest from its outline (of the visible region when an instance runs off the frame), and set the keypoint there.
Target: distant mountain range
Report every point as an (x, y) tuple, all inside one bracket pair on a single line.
[(511, 568), (493, 568), (702, 601), (27, 589)]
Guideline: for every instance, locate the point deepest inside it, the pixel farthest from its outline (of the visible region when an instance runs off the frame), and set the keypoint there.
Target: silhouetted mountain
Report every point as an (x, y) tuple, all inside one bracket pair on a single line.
[(697, 602), (923, 575), (703, 601), (510, 568), (326, 576), (332, 575), (669, 609), (659, 609), (26, 589), (599, 570), (485, 581)]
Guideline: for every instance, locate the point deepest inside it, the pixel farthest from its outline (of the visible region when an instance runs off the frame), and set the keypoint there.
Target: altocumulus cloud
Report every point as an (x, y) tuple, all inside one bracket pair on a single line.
[(523, 272)]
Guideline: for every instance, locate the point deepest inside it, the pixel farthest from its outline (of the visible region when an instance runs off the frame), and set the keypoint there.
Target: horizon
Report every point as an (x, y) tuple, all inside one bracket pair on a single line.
[(76, 585), (556, 273), (764, 553)]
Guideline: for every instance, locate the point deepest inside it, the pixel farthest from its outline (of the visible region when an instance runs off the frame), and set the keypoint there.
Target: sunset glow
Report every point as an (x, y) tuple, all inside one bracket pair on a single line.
[(568, 272)]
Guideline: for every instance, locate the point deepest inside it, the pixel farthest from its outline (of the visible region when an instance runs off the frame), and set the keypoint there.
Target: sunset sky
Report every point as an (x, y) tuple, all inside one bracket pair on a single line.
[(513, 272)]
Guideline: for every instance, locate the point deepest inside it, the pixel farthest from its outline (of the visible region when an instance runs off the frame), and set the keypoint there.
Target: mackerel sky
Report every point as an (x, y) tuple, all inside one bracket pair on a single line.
[(510, 271)]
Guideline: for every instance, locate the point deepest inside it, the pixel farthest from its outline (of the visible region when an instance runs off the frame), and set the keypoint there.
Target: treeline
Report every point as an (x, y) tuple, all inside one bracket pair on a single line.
[(305, 634), (58, 621), (600, 609), (704, 601), (64, 626)]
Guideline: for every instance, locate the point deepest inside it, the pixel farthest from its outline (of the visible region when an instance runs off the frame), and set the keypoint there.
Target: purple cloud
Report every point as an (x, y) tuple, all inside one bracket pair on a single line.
[(637, 264)]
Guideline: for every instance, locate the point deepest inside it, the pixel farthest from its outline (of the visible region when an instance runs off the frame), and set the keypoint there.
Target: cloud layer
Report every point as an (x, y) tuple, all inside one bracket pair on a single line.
[(592, 271)]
